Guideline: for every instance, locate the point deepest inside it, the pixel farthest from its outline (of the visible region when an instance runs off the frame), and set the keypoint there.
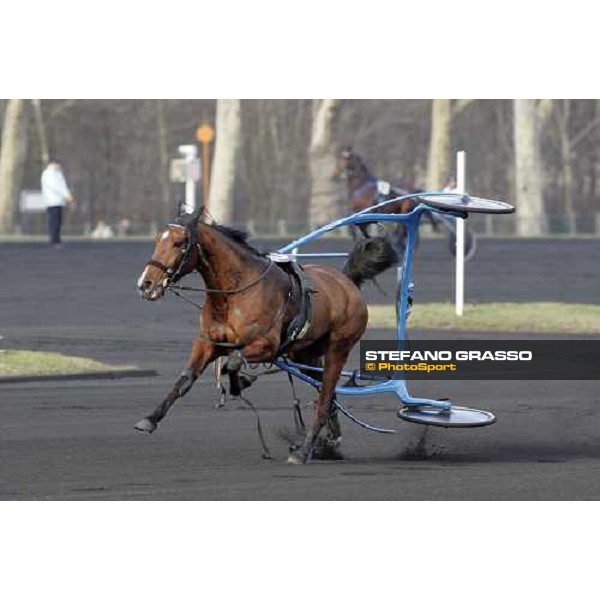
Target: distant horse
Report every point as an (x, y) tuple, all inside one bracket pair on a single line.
[(251, 302), (363, 192)]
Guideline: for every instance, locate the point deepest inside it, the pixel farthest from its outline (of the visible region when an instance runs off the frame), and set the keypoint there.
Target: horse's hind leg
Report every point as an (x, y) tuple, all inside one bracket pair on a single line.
[(202, 354), (334, 435), (327, 444), (335, 358)]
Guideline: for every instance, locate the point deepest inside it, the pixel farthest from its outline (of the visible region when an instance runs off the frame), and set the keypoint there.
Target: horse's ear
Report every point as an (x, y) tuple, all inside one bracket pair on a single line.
[(189, 219), (206, 217)]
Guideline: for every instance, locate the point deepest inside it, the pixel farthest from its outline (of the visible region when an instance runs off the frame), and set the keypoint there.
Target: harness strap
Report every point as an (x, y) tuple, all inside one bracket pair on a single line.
[(266, 452)]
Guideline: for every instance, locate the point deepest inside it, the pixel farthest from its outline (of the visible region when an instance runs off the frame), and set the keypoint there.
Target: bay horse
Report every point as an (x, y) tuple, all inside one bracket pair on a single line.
[(362, 184), (363, 192), (250, 302)]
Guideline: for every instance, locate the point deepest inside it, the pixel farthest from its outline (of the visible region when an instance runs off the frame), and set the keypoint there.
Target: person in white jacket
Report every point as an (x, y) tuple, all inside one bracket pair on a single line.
[(57, 194)]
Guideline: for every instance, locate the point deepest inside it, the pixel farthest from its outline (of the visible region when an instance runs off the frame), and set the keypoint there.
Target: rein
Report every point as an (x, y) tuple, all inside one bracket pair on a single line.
[(225, 292)]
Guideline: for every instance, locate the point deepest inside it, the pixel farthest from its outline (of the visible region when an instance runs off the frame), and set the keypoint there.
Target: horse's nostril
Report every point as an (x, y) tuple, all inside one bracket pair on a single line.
[(146, 285)]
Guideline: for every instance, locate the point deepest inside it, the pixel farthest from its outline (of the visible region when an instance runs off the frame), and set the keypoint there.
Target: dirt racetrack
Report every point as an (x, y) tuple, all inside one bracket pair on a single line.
[(76, 440)]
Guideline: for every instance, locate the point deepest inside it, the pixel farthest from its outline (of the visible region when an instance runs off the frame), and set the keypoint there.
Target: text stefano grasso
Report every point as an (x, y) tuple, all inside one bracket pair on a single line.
[(445, 355)]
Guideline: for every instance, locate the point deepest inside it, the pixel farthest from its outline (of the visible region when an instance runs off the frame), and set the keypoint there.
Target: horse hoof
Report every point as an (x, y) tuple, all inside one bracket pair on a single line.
[(296, 458), (145, 425)]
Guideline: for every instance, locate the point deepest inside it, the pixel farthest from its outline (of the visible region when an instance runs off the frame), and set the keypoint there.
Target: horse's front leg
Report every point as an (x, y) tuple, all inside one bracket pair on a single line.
[(203, 353)]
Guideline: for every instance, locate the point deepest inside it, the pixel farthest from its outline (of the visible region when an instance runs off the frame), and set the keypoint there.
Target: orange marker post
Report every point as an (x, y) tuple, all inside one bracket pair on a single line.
[(205, 134)]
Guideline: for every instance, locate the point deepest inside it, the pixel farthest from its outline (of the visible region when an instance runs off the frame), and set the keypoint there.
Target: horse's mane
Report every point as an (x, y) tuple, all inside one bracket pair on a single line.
[(236, 235)]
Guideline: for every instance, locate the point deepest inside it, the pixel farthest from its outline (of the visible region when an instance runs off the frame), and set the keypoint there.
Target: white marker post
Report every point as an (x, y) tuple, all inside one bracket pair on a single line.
[(192, 175), (460, 237)]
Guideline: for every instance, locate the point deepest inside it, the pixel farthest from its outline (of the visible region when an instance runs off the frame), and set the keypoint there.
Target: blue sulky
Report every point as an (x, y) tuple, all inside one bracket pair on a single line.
[(425, 411)]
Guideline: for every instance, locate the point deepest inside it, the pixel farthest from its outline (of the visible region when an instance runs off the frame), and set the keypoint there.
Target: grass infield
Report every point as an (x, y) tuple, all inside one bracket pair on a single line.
[(17, 363), (534, 317)]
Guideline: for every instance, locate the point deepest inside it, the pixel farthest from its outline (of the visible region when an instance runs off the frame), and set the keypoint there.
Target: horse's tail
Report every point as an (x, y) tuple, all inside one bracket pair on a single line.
[(369, 258)]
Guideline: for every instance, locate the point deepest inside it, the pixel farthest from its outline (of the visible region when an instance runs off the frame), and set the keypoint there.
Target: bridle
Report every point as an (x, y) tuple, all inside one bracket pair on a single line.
[(174, 274)]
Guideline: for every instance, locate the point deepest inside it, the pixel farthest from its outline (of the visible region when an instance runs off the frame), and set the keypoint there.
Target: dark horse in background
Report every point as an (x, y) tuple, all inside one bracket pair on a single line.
[(363, 192), (251, 302)]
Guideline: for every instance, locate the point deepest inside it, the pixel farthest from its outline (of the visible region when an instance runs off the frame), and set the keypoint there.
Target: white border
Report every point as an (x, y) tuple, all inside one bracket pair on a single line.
[(271, 49), (297, 550)]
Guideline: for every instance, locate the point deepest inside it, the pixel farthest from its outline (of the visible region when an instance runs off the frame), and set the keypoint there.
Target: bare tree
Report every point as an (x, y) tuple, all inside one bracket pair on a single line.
[(229, 125), (116, 152), (163, 153), (528, 169), (41, 131), (12, 161), (438, 163), (275, 173), (563, 117), (324, 191), (570, 136)]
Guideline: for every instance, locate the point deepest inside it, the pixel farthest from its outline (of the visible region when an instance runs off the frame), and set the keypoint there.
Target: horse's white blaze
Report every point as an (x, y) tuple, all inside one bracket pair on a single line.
[(164, 236), (142, 278)]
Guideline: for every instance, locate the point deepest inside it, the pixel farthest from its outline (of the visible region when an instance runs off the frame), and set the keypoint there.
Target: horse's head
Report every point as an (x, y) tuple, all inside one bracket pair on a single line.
[(174, 256), (349, 165)]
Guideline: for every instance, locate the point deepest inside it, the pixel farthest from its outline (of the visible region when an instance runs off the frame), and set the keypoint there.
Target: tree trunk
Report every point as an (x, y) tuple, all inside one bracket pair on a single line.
[(438, 165), (324, 200), (528, 170), (41, 131), (222, 184), (13, 152), (596, 163), (564, 114), (164, 209)]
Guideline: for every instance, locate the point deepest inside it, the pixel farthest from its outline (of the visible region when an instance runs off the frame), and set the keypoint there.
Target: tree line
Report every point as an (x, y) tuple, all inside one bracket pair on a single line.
[(273, 159)]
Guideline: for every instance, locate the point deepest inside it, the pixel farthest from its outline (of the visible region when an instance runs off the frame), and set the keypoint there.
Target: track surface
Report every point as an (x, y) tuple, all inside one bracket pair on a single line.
[(75, 440)]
